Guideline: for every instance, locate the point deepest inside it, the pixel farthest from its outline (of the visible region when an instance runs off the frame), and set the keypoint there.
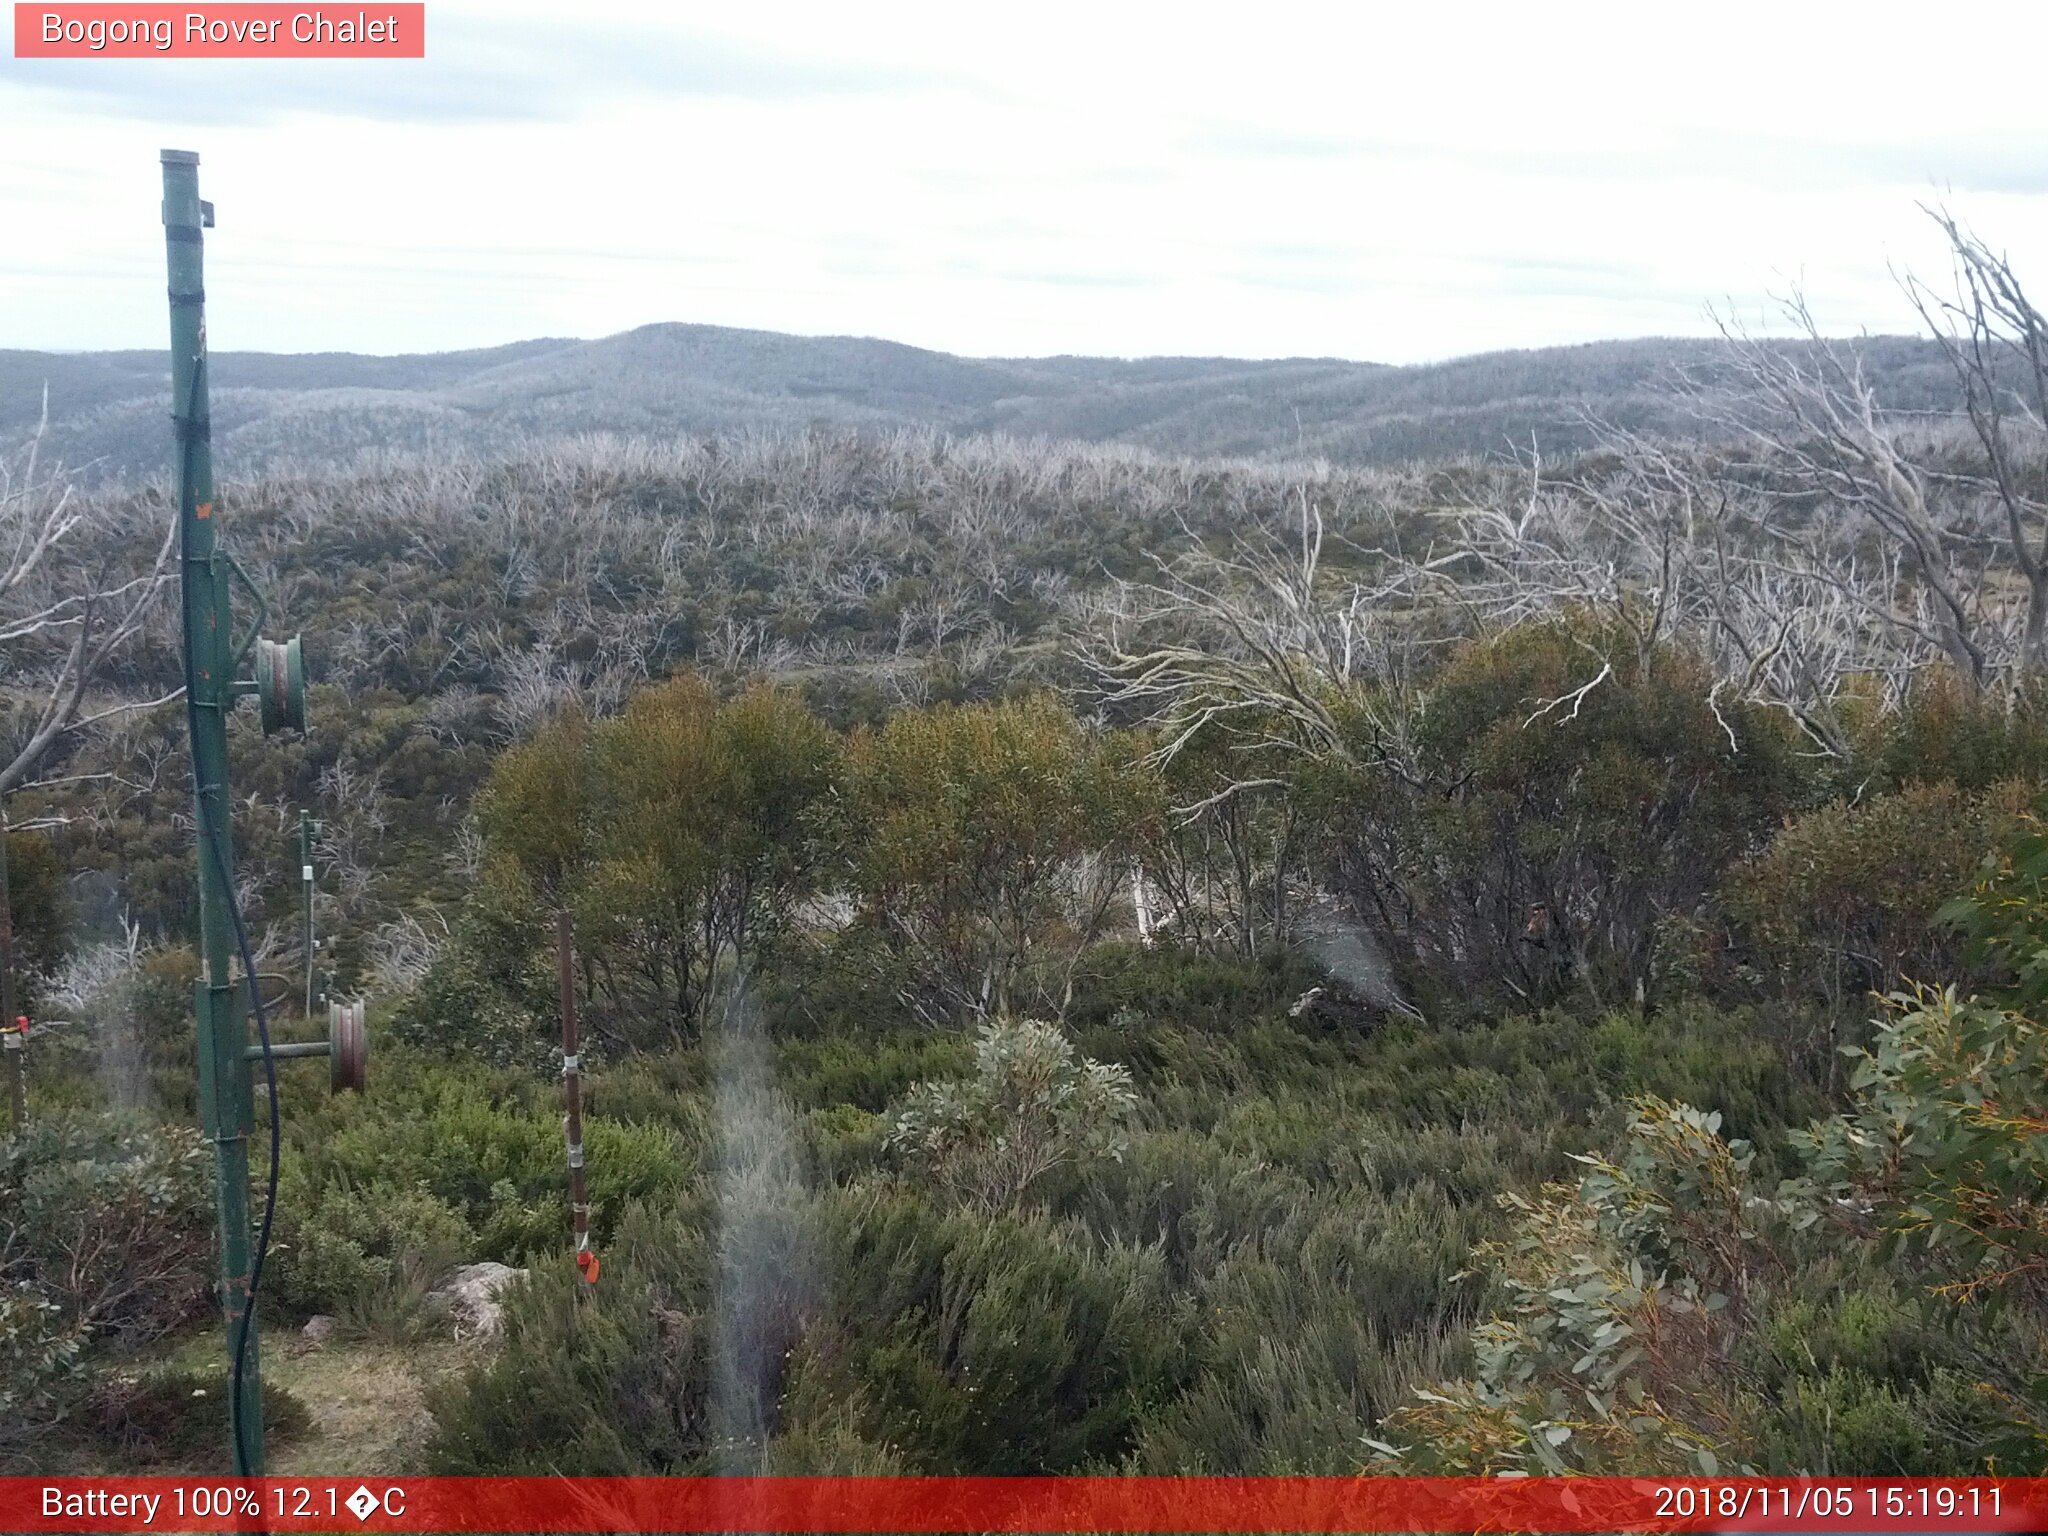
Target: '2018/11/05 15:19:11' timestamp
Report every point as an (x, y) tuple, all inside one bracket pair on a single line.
[(1737, 1501)]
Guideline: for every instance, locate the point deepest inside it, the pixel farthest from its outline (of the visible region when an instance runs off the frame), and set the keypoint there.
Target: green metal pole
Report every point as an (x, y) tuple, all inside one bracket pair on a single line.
[(225, 1104), (306, 880)]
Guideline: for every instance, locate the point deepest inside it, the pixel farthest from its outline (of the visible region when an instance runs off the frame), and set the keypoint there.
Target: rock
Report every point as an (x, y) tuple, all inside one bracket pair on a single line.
[(1351, 956), (470, 1295), (1306, 1001), (318, 1330)]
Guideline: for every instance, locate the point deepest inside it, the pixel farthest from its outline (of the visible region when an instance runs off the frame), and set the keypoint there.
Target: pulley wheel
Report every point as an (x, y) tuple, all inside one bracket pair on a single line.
[(348, 1046), (281, 684)]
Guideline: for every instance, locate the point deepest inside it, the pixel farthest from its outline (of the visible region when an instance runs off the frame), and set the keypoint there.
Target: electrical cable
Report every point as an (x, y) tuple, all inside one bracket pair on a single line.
[(210, 834)]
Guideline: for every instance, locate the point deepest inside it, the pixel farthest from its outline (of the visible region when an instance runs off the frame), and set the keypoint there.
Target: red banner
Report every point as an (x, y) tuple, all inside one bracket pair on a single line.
[(235, 31), (1050, 1504)]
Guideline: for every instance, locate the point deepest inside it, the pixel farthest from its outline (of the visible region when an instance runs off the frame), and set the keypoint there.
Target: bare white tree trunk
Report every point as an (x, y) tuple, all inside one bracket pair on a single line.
[(69, 603)]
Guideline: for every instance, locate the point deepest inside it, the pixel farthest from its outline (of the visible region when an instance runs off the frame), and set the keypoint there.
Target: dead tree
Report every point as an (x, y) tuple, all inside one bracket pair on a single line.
[(1249, 664), (1659, 544), (1249, 642), (1997, 343), (73, 597), (1955, 526)]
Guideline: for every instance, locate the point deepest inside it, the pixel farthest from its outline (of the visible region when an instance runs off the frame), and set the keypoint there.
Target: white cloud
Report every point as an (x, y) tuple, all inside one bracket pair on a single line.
[(1363, 182)]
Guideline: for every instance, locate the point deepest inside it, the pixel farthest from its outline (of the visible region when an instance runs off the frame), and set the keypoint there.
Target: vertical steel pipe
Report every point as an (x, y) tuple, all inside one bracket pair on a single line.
[(226, 1108)]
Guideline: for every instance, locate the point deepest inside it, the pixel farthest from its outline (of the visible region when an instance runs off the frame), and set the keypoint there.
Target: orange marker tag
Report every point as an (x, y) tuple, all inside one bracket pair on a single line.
[(204, 509)]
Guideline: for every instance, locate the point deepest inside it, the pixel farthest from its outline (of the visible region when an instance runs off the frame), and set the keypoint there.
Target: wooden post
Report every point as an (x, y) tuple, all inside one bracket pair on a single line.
[(14, 1045), (13, 1028), (572, 1090)]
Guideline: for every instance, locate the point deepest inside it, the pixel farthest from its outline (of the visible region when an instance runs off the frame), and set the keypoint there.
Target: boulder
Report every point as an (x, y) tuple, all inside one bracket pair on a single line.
[(318, 1330), (470, 1295)]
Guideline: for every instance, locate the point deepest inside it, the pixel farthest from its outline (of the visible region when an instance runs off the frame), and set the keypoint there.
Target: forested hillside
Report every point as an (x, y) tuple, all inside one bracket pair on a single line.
[(1091, 958), (282, 412)]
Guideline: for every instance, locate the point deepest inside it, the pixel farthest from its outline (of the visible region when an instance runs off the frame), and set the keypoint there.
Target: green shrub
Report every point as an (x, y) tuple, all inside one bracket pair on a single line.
[(481, 999), (366, 1255), (1947, 732), (1568, 790), (961, 1343), (472, 1142), (990, 845), (1949, 1137), (2004, 916), (1029, 1107), (127, 1045), (106, 1227), (604, 1380), (157, 1420), (1625, 1297), (838, 984), (111, 1218), (40, 906), (1167, 983), (866, 1071), (1737, 1059), (1844, 900), (998, 1343), (1853, 1368), (682, 834), (41, 1354), (845, 1142), (829, 1428), (1310, 1330)]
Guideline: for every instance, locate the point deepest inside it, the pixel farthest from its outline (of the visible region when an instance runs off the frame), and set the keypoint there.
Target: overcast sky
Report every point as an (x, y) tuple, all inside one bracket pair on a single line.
[(1371, 181)]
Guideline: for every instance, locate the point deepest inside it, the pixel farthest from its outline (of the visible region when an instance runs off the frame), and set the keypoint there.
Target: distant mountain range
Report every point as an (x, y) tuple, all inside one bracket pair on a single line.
[(273, 410)]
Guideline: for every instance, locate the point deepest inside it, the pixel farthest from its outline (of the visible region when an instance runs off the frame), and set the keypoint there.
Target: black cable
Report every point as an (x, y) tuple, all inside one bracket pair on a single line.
[(241, 1347), (210, 833)]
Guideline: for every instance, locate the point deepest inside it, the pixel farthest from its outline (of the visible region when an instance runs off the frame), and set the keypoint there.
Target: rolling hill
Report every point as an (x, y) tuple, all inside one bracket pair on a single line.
[(107, 409)]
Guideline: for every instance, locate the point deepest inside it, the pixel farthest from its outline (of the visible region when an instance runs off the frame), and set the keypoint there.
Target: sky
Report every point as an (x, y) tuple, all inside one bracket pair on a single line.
[(1395, 183)]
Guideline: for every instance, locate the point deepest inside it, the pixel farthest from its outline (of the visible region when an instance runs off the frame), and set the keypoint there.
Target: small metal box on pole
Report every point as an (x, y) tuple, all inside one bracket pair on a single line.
[(308, 827)]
